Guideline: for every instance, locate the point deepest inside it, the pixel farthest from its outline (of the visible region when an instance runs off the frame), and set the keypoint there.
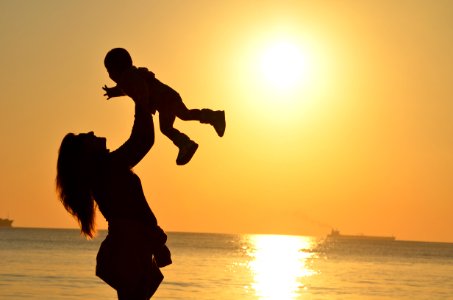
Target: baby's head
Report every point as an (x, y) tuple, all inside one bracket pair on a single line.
[(117, 61)]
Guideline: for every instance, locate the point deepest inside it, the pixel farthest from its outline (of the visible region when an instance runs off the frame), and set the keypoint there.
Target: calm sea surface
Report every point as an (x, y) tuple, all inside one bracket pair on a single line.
[(59, 264)]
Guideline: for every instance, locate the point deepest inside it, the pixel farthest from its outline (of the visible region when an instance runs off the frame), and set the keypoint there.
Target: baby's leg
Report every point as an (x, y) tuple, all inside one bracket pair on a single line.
[(181, 111), (207, 116), (166, 122), (186, 146)]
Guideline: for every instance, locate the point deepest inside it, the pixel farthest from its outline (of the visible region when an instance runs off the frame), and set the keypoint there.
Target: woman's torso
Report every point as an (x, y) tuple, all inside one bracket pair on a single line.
[(119, 194)]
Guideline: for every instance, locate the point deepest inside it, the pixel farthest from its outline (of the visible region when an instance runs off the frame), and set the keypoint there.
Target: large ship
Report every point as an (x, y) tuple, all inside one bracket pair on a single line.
[(6, 223), (335, 234)]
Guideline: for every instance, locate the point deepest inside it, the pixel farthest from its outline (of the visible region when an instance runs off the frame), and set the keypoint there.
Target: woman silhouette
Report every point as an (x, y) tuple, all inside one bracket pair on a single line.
[(88, 174)]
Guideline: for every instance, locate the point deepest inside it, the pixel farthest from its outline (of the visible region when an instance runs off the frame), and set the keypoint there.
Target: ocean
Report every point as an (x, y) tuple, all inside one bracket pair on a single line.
[(59, 264)]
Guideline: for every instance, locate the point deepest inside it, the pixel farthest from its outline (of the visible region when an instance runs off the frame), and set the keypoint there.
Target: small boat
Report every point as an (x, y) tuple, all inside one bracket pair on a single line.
[(6, 223), (335, 234)]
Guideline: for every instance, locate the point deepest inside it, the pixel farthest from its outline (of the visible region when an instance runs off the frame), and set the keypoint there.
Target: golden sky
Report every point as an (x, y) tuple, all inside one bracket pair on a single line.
[(339, 113)]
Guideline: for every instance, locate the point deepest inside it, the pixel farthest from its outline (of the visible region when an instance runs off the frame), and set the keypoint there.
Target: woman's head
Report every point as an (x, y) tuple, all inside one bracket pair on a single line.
[(77, 161)]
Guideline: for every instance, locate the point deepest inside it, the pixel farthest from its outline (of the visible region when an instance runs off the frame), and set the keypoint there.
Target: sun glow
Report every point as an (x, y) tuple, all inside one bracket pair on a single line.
[(284, 65), (279, 265), (286, 76)]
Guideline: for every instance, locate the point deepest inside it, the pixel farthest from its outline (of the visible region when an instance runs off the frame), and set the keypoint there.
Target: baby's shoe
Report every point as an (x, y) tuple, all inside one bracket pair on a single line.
[(186, 151), (218, 121)]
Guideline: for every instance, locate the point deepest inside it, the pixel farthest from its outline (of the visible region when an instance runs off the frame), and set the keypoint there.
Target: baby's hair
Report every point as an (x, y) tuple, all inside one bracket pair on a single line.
[(118, 59)]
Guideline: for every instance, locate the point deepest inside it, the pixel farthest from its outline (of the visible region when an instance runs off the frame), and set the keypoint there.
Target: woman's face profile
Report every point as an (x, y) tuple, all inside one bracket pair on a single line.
[(92, 143)]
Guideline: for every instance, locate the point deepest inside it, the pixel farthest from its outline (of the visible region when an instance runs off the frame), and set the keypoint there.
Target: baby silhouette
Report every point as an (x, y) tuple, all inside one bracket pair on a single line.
[(141, 85)]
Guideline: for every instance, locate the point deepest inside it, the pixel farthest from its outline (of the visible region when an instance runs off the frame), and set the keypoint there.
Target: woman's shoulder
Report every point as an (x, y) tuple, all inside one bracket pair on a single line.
[(108, 163), (111, 170)]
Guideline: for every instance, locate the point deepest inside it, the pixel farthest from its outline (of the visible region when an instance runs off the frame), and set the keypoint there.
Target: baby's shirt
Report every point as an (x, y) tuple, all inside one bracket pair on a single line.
[(142, 85), (134, 84)]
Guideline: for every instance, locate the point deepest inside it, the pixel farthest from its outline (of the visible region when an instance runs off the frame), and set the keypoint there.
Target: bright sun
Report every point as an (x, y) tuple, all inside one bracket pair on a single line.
[(284, 66), (287, 74)]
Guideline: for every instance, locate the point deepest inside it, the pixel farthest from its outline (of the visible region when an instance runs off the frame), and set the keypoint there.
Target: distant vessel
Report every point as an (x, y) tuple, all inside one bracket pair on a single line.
[(6, 223), (335, 234)]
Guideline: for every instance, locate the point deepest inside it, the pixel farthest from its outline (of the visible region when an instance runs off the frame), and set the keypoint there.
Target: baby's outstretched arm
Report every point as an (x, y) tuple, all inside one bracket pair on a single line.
[(111, 92)]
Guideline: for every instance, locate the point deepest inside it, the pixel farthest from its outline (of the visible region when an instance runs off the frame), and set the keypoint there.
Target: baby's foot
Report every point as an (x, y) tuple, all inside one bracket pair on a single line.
[(218, 121), (186, 152)]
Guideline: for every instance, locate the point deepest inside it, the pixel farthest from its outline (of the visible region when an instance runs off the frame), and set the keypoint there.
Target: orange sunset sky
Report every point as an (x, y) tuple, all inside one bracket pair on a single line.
[(339, 113)]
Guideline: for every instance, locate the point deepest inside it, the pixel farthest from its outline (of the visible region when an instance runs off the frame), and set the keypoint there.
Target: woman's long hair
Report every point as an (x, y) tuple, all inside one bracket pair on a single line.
[(73, 182)]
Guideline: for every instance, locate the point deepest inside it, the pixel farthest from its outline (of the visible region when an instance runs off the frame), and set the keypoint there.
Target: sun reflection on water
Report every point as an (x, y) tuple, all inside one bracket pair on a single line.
[(278, 264)]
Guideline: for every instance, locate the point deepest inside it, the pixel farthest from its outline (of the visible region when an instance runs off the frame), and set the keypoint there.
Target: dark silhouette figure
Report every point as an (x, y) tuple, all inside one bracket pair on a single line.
[(88, 174), (139, 83)]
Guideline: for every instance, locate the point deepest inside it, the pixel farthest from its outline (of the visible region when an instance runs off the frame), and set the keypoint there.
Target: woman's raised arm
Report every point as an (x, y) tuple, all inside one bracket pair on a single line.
[(140, 141)]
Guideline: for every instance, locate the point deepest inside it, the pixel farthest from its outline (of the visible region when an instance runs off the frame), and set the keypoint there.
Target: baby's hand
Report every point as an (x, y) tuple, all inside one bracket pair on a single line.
[(112, 92)]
